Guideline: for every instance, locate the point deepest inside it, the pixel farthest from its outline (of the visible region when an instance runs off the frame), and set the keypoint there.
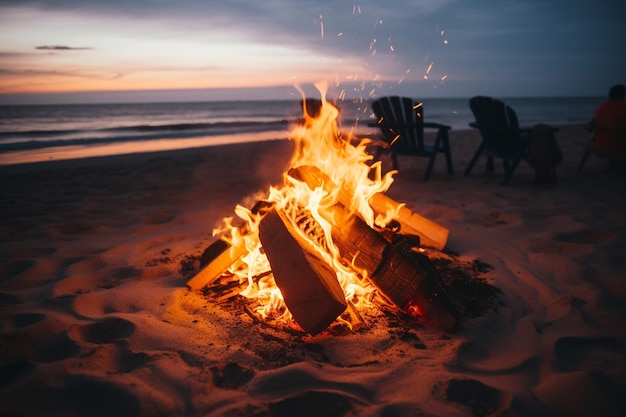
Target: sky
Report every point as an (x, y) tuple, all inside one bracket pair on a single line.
[(73, 51)]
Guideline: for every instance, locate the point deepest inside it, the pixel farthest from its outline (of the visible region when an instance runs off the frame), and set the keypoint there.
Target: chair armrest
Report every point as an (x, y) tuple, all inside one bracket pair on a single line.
[(436, 125), (522, 130), (527, 129), (614, 129)]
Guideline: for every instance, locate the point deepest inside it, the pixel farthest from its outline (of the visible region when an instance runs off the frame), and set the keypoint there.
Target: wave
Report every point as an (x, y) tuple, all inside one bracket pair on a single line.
[(37, 139), (151, 128)]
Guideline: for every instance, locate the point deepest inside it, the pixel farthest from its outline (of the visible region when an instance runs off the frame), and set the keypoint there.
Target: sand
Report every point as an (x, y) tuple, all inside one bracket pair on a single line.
[(96, 319)]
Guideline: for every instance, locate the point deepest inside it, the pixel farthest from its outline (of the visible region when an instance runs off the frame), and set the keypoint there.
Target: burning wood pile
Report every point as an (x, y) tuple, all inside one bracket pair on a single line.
[(329, 240)]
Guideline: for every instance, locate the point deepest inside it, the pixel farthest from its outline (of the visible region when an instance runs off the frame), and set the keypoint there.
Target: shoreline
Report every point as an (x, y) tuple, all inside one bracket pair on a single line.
[(62, 153)]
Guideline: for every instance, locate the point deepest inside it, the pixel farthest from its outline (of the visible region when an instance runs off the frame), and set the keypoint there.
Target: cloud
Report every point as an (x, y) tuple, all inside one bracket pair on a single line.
[(61, 48), (483, 41)]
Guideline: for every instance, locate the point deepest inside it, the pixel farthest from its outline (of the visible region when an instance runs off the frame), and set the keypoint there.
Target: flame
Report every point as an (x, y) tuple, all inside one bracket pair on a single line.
[(347, 178)]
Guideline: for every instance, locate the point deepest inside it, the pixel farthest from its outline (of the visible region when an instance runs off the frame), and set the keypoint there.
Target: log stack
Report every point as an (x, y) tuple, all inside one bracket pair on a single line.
[(309, 285)]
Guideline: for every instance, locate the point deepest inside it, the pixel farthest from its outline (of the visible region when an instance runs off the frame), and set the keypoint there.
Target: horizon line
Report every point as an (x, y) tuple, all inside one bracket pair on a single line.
[(272, 93)]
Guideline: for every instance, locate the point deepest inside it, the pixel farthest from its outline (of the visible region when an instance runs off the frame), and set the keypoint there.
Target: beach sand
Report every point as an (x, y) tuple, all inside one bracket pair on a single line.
[(96, 319)]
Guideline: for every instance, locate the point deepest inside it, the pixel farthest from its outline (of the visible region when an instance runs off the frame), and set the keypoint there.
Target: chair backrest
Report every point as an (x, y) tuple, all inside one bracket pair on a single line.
[(497, 123), (401, 121)]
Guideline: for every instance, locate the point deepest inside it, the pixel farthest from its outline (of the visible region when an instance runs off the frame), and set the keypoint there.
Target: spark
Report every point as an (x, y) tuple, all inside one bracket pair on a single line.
[(429, 68), (340, 34), (391, 48), (445, 41), (444, 78), (322, 26)]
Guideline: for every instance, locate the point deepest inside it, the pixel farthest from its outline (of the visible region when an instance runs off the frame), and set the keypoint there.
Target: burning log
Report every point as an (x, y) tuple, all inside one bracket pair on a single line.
[(306, 263), (430, 233), (222, 254), (308, 284), (405, 277)]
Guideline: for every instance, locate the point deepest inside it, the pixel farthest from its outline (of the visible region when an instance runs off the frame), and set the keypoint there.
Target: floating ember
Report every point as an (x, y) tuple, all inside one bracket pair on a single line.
[(328, 239)]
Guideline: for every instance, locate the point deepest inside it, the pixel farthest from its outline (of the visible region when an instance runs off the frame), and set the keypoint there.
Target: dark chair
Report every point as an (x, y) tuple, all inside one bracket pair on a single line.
[(401, 121), (616, 157), (501, 135)]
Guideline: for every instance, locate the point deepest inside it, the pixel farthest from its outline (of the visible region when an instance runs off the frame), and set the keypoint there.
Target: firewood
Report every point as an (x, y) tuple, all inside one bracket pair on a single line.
[(430, 233), (308, 284), (223, 255), (220, 255), (408, 279)]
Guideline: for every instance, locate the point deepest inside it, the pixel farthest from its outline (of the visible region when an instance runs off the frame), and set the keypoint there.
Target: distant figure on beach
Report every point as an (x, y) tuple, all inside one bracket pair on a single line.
[(609, 122)]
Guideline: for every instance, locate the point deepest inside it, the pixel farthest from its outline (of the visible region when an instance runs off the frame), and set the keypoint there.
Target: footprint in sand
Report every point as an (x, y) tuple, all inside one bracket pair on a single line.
[(16, 371), (14, 267), (490, 218), (480, 398), (34, 252), (582, 354), (106, 330), (86, 396), (9, 299), (22, 260), (161, 217), (585, 236), (305, 392), (312, 404), (38, 333), (232, 375)]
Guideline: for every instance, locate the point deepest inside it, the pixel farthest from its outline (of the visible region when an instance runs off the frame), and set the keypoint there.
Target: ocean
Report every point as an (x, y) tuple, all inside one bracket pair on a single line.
[(51, 132)]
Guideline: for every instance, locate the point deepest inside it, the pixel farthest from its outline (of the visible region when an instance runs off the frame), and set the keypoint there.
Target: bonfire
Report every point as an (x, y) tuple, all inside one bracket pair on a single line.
[(328, 240)]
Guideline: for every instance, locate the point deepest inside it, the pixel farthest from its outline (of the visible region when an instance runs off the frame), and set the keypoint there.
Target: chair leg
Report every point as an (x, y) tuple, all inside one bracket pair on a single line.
[(489, 168), (429, 167), (446, 149), (582, 161), (473, 160), (510, 170)]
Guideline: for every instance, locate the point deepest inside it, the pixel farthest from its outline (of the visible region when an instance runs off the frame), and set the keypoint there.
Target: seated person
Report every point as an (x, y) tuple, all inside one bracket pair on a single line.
[(609, 122)]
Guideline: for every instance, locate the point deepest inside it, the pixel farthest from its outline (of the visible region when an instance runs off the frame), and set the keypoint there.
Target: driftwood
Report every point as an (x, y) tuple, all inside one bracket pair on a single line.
[(308, 284), (430, 233)]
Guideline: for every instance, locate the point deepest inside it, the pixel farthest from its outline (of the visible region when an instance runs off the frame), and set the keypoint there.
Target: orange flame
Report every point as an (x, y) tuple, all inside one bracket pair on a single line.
[(319, 143)]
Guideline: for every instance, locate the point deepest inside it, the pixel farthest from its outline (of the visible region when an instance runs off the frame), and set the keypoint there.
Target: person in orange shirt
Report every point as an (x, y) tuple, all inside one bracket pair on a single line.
[(610, 122)]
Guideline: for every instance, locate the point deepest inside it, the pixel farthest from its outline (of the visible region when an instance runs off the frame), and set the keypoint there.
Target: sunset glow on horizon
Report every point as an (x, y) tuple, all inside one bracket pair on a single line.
[(428, 48)]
